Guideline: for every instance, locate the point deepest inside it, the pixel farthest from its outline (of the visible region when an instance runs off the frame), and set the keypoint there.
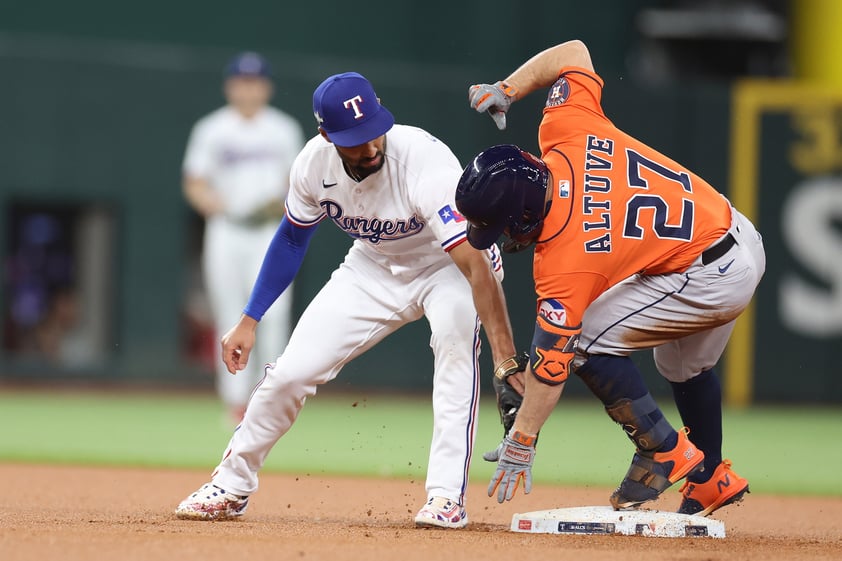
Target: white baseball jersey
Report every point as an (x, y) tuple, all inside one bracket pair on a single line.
[(401, 216), (397, 271), (247, 162)]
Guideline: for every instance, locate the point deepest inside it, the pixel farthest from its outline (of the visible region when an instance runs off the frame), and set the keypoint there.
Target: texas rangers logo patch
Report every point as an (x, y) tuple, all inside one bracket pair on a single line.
[(447, 214), (559, 92)]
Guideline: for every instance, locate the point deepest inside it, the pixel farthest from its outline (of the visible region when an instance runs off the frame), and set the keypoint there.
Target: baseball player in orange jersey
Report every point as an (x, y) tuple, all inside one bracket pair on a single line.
[(632, 251)]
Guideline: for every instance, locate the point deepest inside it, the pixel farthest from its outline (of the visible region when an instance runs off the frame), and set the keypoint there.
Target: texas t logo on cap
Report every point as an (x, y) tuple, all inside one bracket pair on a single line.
[(355, 103), (349, 111)]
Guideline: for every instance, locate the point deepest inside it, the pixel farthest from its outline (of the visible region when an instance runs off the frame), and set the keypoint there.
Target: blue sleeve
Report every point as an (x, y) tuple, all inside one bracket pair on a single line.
[(280, 265)]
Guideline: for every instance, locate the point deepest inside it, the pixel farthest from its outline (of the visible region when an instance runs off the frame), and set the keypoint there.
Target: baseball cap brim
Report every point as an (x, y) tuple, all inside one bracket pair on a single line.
[(375, 126), (483, 238)]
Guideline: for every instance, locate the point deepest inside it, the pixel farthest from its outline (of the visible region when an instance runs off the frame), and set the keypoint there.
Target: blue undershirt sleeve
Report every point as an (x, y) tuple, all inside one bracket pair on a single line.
[(280, 265)]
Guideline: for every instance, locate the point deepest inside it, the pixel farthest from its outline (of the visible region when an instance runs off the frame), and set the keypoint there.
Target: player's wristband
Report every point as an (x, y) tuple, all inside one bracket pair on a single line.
[(523, 439), (507, 89), (511, 365)]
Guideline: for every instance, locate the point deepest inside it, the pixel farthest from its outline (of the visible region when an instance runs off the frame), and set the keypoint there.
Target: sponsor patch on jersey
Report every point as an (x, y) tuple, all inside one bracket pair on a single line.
[(447, 214), (563, 188), (553, 311), (559, 92)]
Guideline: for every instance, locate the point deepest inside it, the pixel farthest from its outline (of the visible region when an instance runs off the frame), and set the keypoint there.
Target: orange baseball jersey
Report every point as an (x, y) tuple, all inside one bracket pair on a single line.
[(618, 208)]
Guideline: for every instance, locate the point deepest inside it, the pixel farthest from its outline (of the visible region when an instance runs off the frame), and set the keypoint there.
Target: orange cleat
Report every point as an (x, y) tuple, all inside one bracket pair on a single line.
[(724, 488)]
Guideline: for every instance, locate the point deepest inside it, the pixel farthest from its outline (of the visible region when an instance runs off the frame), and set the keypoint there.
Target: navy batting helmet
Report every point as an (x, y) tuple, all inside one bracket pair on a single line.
[(503, 191)]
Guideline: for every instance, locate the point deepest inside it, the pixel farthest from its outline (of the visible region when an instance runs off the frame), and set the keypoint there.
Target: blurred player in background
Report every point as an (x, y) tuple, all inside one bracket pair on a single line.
[(632, 251), (390, 187), (236, 175)]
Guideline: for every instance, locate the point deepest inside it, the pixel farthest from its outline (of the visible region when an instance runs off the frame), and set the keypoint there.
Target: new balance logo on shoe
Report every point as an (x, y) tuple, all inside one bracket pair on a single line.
[(723, 489)]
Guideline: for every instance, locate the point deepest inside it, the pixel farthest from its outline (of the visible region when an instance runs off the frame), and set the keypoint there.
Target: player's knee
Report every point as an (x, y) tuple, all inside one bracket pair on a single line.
[(300, 382), (598, 369), (678, 373), (701, 379)]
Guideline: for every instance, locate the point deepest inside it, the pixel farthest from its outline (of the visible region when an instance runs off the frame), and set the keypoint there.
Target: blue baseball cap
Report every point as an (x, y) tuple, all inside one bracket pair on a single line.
[(248, 64), (349, 111)]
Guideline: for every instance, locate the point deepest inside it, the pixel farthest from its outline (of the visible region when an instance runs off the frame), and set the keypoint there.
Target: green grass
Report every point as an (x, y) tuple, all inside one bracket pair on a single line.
[(382, 435)]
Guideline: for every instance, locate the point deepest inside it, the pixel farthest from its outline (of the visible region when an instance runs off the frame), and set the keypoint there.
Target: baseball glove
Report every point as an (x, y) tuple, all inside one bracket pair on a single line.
[(508, 400)]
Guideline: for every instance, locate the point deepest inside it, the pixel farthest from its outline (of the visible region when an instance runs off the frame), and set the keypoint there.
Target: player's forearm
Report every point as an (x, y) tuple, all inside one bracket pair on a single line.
[(489, 300), (539, 400), (541, 71), (490, 303)]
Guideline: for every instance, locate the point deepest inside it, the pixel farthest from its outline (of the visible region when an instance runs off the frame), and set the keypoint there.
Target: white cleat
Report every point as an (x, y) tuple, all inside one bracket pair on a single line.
[(212, 503), (441, 512)]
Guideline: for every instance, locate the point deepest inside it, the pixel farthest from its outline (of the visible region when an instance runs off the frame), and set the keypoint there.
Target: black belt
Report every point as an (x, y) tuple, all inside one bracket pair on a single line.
[(722, 247)]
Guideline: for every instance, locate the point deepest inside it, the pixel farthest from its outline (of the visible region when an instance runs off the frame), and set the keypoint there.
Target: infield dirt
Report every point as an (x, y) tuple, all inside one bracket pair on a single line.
[(74, 513)]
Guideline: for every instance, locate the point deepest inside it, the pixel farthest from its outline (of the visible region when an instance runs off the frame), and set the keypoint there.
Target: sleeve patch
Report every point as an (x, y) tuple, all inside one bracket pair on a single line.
[(559, 92), (448, 214)]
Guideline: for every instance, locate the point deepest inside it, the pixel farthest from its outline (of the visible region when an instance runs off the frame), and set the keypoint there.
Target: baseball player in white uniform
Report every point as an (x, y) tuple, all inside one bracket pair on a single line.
[(391, 188), (236, 172)]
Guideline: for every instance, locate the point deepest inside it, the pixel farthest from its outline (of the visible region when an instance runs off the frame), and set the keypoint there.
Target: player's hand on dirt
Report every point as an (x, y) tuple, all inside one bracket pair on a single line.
[(237, 344), (492, 98), (516, 454)]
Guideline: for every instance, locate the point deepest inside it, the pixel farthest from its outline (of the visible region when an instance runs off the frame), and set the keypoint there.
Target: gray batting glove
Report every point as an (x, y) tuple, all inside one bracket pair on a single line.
[(492, 98), (515, 464)]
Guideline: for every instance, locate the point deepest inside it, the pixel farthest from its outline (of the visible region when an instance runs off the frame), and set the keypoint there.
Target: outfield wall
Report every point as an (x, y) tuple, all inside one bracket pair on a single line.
[(95, 119)]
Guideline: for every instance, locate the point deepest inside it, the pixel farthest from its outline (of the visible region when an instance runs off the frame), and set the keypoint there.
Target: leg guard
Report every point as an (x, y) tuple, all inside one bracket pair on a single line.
[(643, 422), (617, 382)]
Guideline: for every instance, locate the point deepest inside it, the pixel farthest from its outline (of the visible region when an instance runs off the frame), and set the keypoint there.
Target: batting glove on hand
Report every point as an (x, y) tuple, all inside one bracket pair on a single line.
[(508, 399), (494, 98), (517, 453)]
